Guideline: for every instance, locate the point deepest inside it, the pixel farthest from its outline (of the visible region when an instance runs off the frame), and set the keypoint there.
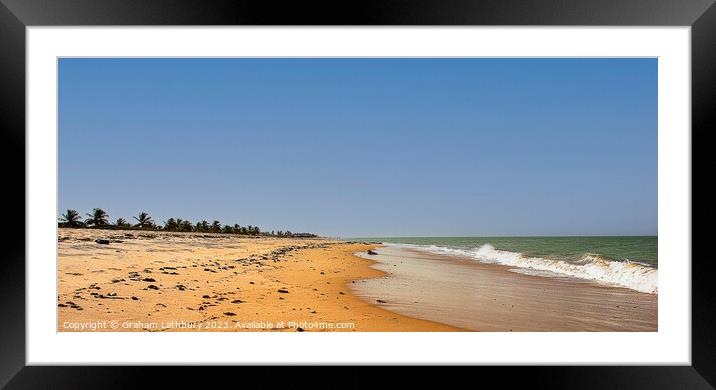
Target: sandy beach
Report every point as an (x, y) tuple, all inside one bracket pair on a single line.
[(162, 281)]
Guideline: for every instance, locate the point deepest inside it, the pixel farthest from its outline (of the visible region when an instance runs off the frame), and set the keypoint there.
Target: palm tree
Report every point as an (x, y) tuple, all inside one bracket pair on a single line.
[(216, 226), (144, 220), (170, 224), (202, 226), (185, 226), (71, 218), (98, 217)]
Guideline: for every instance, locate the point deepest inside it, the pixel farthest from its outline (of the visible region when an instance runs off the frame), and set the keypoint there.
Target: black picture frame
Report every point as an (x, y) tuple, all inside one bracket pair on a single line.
[(16, 15)]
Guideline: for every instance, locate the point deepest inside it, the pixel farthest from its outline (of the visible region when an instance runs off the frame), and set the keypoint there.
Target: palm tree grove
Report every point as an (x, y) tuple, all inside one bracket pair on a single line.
[(99, 219)]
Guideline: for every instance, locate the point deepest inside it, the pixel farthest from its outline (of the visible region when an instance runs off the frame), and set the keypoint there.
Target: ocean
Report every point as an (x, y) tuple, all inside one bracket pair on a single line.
[(624, 261)]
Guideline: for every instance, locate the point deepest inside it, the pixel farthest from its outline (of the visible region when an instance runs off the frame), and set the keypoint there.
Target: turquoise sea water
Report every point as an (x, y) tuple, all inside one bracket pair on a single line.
[(641, 249), (624, 261)]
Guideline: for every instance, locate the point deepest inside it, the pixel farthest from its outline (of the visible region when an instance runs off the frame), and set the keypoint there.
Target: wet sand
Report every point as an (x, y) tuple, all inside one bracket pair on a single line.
[(487, 297), (161, 281)]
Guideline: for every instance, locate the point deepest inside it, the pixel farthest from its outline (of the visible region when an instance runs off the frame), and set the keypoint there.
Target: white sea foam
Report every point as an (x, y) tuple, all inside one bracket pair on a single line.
[(627, 274), (536, 272)]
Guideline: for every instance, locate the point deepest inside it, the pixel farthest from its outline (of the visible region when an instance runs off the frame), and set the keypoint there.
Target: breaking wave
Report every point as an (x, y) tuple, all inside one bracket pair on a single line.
[(632, 275)]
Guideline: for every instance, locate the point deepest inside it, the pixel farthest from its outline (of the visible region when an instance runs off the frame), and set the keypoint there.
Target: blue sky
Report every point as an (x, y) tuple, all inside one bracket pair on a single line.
[(365, 147)]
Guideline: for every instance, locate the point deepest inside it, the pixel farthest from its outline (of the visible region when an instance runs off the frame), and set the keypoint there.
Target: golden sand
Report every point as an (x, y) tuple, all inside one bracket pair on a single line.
[(160, 281)]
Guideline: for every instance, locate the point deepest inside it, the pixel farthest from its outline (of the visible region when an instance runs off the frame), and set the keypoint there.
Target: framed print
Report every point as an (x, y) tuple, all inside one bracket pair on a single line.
[(453, 183)]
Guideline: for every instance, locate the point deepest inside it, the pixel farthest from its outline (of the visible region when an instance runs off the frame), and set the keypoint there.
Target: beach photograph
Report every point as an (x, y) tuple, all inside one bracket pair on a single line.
[(357, 195)]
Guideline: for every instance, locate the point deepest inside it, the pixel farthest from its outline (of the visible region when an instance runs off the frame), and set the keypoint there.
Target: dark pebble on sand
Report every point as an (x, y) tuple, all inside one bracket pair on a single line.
[(282, 291)]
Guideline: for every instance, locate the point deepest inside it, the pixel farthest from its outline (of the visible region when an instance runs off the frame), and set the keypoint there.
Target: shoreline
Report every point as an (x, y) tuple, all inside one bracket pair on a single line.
[(491, 297), (166, 281), (157, 281)]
